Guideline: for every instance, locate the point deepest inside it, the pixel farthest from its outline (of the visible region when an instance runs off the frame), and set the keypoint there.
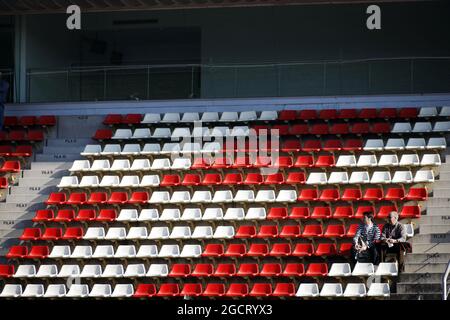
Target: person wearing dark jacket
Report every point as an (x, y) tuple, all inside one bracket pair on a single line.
[(364, 241), (392, 235)]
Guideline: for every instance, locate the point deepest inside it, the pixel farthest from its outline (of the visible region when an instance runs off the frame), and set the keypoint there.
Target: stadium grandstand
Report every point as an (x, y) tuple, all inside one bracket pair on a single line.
[(223, 149)]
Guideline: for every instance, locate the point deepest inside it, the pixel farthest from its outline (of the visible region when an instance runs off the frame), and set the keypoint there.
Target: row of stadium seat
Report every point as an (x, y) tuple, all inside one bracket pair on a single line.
[(10, 166), (29, 121), (22, 135), (18, 151)]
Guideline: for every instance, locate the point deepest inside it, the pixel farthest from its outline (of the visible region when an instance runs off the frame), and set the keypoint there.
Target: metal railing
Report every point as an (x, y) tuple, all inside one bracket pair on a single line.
[(444, 282)]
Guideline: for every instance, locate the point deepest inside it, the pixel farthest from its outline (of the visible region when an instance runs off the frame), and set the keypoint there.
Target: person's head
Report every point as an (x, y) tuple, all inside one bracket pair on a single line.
[(367, 217), (393, 217)]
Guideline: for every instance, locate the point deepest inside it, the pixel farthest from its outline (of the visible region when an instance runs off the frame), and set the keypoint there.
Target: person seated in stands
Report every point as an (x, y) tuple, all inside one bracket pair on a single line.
[(393, 234), (367, 234)]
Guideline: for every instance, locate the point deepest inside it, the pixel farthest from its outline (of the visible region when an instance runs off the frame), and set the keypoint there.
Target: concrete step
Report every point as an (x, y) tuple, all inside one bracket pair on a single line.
[(406, 287), (38, 182), (440, 220), (427, 258), (24, 206), (437, 203), (21, 198), (419, 277), (431, 248), (13, 233), (433, 228), (50, 165), (49, 157), (63, 150), (416, 296), (68, 142), (13, 215), (49, 174), (443, 192), (18, 224), (425, 268), (441, 211), (431, 238), (34, 189)]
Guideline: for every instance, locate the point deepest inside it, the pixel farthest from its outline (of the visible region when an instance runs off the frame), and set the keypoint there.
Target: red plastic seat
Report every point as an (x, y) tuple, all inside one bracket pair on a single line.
[(299, 213), (112, 119), (73, 233), (360, 128), (17, 252), (85, 215), (284, 290), (212, 179), (22, 151), (352, 144), (268, 231), (321, 213), (258, 250), (296, 178), (312, 145), (335, 231), (280, 249), (412, 212), (261, 129), (204, 163), (287, 115), (232, 179), (77, 198), (261, 290), (180, 270), (325, 161), (170, 180), (52, 234), (10, 166), (31, 234), (237, 290), (351, 194), (248, 270), (308, 195), (384, 211), (56, 198), (290, 231), (102, 134), (38, 252), (242, 162), (65, 215), (27, 121), (283, 162), (106, 215), (139, 197), (348, 114), (303, 250), (339, 128), (262, 161), (395, 194), (132, 118), (307, 114), (6, 151), (312, 230), (326, 249), (381, 127), (46, 121), (373, 194), (275, 178), (305, 161), (253, 178), (417, 194), (213, 250), (35, 135), (387, 113), (168, 290), (118, 197), (44, 215), (270, 270), (235, 250), (317, 270), (277, 213), (368, 113), (330, 194), (214, 290), (97, 198), (343, 212), (327, 114), (408, 113), (225, 270), (191, 179), (4, 183), (293, 270), (351, 231), (291, 146), (332, 145), (10, 121), (3, 136), (280, 130), (345, 248), (319, 129), (361, 209), (299, 129), (245, 232), (17, 135), (192, 289), (145, 290), (6, 270), (203, 270)]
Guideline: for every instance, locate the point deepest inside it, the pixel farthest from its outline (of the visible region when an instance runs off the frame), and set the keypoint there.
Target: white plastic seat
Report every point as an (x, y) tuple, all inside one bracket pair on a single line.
[(229, 117), (60, 252), (222, 196), (141, 133), (94, 233), (224, 232), (445, 111), (433, 159), (171, 117), (78, 291), (113, 271), (244, 196), (374, 144), (137, 233), (200, 131), (82, 252), (201, 197), (340, 270), (135, 270), (110, 181), (11, 291), (55, 291), (286, 195), (387, 269), (151, 118), (317, 178), (409, 227), (161, 164), (191, 214), (150, 181), (111, 149), (424, 176), (363, 269), (120, 165), (367, 160), (331, 290), (100, 291), (116, 233), (129, 181), (202, 232), (33, 291), (212, 214), (381, 177), (379, 290), (190, 117), (169, 251), (170, 214), (388, 160), (151, 148), (268, 116), (422, 127), (161, 133), (89, 182), (123, 290), (80, 165), (256, 214), (69, 270), (91, 271), (359, 177), (159, 197), (338, 178), (100, 165), (171, 148), (245, 116), (395, 144), (210, 117), (180, 232), (220, 131), (306, 290), (401, 127), (159, 233), (128, 215), (125, 251), (436, 143), (181, 133), (147, 251), (234, 214), (149, 215), (191, 251), (158, 270), (131, 149), (47, 271), (240, 131), (25, 271), (211, 147), (415, 143), (181, 164), (346, 161), (103, 251), (441, 126), (92, 150), (265, 196), (140, 165), (355, 290), (409, 160), (402, 177), (427, 112), (68, 182), (122, 134), (180, 197)]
